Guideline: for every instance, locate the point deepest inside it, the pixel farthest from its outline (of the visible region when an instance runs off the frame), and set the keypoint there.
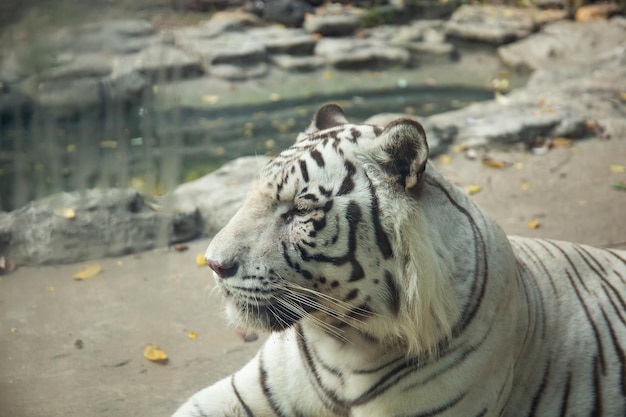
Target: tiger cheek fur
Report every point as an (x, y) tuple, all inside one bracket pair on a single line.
[(310, 265)]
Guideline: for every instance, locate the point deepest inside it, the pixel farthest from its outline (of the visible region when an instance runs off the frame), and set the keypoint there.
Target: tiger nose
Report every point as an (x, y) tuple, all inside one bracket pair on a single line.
[(223, 269)]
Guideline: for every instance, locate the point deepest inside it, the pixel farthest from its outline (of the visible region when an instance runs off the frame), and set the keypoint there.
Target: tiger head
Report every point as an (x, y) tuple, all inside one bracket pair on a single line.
[(331, 235)]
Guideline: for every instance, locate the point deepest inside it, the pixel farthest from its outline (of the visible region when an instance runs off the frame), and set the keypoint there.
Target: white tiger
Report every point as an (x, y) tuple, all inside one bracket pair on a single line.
[(388, 292)]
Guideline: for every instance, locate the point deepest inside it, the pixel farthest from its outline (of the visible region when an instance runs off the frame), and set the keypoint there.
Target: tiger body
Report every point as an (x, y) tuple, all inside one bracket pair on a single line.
[(388, 292)]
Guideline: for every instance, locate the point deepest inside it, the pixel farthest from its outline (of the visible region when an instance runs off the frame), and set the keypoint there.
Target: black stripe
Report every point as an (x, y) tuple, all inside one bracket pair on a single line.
[(304, 170), (597, 389), (348, 183), (442, 408), (317, 157), (247, 410), (393, 293), (266, 389), (540, 391), (198, 409), (382, 240), (618, 350), (565, 397)]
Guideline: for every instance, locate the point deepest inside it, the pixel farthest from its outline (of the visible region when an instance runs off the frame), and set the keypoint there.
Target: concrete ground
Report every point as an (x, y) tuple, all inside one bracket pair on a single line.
[(75, 348)]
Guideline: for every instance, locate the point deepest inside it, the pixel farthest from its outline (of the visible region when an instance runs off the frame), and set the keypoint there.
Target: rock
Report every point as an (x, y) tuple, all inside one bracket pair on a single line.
[(205, 5), (495, 25), (210, 29), (166, 63), (563, 42), (89, 65), (72, 227), (491, 123), (280, 40), (286, 12), (298, 63), (355, 54), (239, 72), (220, 194), (332, 25), (113, 36), (432, 52)]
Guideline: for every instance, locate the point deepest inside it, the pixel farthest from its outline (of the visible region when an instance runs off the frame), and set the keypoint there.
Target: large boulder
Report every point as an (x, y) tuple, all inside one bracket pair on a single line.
[(78, 226)]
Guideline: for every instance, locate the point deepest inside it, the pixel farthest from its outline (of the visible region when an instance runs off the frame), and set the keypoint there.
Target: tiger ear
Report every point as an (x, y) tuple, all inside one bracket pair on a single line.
[(327, 116), (404, 152)]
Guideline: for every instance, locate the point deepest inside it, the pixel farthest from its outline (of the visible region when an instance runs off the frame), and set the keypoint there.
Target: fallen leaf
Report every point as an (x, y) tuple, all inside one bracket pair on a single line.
[(459, 148), (181, 247), (582, 203), (525, 186), (519, 165), (65, 212), (533, 224), (490, 163), (191, 335), (622, 95), (50, 289), (617, 168), (200, 261), (445, 159), (155, 354), (275, 97), (88, 272), (561, 143), (473, 189)]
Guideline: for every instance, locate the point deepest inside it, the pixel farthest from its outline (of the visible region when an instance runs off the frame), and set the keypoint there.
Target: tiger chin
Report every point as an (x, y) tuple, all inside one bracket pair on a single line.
[(388, 292)]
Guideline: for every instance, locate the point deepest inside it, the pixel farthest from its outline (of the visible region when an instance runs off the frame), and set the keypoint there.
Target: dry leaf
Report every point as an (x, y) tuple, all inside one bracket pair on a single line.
[(490, 163), (65, 212), (155, 354), (473, 189), (459, 148), (533, 224), (525, 186), (617, 168), (200, 261), (445, 159), (561, 143), (88, 272), (622, 95), (181, 247), (192, 335)]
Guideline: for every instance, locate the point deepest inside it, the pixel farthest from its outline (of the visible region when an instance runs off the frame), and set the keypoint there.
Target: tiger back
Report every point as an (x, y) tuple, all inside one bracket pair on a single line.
[(388, 292)]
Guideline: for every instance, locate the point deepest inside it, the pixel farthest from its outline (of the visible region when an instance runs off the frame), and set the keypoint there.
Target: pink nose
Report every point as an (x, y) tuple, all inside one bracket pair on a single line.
[(223, 270)]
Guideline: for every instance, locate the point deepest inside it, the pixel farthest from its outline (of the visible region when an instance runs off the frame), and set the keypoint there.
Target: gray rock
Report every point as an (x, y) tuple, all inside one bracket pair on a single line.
[(332, 25), (108, 222), (432, 52), (280, 40), (419, 31), (298, 63), (492, 123), (563, 42), (166, 63), (210, 29), (219, 195), (90, 65), (495, 25), (355, 54), (116, 36), (239, 72)]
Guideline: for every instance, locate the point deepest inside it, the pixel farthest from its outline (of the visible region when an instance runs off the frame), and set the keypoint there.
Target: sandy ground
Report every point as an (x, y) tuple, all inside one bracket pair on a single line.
[(70, 348)]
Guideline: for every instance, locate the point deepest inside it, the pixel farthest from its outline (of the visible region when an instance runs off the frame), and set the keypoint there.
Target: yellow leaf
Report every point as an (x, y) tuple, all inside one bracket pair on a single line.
[(459, 148), (275, 97), (445, 159), (622, 95), (192, 335), (50, 289), (65, 212), (561, 142), (327, 75), (617, 168), (89, 271), (473, 189), (155, 354), (519, 165), (200, 261), (490, 163), (525, 186), (534, 223)]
